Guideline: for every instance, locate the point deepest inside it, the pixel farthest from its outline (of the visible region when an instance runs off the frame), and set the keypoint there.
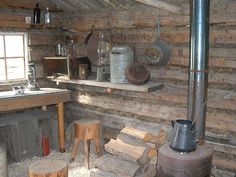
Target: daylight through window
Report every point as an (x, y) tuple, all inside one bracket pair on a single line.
[(12, 56)]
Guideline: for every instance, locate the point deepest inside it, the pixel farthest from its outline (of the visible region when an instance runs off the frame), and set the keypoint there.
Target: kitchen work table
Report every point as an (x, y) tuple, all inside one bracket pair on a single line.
[(45, 96)]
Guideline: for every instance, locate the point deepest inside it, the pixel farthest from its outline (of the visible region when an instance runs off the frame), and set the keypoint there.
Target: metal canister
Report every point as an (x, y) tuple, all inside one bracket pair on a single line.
[(121, 57), (3, 161)]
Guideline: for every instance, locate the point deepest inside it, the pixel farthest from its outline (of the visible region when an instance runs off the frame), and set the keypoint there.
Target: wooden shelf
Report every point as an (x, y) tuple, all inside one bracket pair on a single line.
[(55, 58), (44, 26), (148, 87)]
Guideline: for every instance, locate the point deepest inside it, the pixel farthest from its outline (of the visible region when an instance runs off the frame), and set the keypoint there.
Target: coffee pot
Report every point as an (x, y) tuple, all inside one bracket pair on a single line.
[(183, 136)]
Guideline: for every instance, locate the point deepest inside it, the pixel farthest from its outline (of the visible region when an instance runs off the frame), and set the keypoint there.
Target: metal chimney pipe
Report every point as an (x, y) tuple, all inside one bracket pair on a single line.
[(198, 164), (198, 66)]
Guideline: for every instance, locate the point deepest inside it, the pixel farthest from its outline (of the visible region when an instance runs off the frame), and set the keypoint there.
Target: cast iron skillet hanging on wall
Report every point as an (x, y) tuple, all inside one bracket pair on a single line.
[(159, 52), (91, 42)]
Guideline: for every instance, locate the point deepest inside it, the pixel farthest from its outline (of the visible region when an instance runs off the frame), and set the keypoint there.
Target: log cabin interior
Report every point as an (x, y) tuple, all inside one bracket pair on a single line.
[(150, 83)]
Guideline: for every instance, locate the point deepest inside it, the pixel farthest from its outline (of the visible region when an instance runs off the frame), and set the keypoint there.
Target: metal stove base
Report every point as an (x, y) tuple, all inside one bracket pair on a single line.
[(176, 164)]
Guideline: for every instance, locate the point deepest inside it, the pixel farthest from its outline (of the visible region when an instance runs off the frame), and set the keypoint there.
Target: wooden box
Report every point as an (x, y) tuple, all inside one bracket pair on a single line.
[(22, 133)]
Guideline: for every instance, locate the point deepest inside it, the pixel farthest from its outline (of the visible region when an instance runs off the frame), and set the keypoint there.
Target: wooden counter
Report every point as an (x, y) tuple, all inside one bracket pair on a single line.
[(45, 96)]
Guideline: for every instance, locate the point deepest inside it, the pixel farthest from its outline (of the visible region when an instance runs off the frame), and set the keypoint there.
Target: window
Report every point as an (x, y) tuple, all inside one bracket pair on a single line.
[(13, 56)]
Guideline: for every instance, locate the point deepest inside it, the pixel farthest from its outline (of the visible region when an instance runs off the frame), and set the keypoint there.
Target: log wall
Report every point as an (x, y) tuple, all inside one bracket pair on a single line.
[(42, 38), (137, 28)]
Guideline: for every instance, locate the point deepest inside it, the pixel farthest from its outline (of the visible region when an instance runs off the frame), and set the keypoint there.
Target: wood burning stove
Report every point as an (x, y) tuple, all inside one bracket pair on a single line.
[(198, 163)]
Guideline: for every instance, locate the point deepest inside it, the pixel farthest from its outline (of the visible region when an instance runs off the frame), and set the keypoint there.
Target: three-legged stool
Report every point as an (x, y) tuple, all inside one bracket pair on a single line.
[(86, 130)]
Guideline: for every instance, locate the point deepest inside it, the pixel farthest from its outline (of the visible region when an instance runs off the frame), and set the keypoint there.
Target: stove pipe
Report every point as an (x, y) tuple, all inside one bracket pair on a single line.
[(172, 163), (198, 66)]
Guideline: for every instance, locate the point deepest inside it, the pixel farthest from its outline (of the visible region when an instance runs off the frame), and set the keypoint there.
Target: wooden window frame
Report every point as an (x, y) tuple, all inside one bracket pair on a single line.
[(25, 56)]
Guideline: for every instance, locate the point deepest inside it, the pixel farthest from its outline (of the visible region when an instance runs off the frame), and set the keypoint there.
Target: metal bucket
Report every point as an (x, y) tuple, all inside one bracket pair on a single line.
[(3, 161), (121, 57)]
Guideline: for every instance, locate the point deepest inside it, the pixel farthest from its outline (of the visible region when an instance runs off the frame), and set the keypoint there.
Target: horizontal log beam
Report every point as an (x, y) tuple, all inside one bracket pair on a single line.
[(181, 74), (161, 5), (218, 121)]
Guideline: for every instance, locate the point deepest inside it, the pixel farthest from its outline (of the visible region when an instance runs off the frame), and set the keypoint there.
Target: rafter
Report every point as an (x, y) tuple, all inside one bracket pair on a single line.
[(160, 4)]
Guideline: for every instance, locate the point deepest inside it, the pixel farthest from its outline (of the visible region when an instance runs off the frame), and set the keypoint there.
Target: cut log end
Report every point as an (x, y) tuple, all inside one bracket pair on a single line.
[(48, 168)]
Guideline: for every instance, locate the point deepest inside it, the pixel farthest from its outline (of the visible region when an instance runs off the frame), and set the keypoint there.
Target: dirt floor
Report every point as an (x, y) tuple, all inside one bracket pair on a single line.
[(76, 168)]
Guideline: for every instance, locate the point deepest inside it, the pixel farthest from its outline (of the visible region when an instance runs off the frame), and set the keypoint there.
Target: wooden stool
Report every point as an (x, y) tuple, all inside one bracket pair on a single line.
[(48, 168), (86, 130)]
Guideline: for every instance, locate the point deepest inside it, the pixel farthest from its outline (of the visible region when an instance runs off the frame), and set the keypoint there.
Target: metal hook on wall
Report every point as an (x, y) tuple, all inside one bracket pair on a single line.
[(158, 28)]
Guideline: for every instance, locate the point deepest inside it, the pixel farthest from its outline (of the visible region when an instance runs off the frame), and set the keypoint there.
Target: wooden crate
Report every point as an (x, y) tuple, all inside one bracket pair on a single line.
[(22, 133)]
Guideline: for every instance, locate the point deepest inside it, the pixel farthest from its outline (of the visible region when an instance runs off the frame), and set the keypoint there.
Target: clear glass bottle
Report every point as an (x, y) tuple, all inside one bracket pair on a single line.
[(58, 49), (47, 16), (37, 12)]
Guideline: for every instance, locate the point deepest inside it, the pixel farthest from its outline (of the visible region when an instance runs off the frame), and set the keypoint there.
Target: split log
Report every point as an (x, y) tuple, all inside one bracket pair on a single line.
[(125, 151), (137, 134), (161, 139), (150, 148), (147, 127), (152, 153), (132, 140), (48, 168), (158, 140), (110, 163)]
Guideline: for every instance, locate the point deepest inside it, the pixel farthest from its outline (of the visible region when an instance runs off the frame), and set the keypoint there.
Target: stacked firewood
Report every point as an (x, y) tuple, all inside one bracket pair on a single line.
[(132, 154)]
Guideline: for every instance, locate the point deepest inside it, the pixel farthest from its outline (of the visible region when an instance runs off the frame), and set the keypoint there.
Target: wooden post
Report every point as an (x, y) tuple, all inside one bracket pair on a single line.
[(61, 127), (74, 149), (86, 154), (48, 168)]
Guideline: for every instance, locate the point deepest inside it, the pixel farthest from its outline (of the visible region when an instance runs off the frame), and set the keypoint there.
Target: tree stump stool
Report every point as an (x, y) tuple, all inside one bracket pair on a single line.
[(86, 130), (48, 168)]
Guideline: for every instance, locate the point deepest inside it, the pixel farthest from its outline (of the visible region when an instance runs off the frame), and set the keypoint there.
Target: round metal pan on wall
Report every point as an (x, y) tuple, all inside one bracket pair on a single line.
[(92, 44), (158, 53)]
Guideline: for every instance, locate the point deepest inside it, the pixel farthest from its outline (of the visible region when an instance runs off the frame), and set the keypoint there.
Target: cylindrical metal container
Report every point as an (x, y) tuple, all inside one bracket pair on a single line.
[(121, 57), (178, 164), (3, 161)]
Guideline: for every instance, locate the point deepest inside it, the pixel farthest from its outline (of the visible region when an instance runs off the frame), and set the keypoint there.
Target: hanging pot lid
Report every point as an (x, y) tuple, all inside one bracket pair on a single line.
[(137, 74)]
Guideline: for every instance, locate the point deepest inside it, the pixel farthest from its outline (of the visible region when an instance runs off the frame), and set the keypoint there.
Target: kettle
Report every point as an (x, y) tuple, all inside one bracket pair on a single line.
[(183, 136)]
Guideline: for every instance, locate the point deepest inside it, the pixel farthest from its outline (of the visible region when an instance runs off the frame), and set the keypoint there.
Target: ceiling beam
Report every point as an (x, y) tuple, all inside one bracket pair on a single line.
[(160, 4), (28, 5)]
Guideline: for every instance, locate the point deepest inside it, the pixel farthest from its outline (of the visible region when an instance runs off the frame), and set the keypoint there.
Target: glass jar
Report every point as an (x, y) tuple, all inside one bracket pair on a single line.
[(58, 49), (104, 48), (47, 16)]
